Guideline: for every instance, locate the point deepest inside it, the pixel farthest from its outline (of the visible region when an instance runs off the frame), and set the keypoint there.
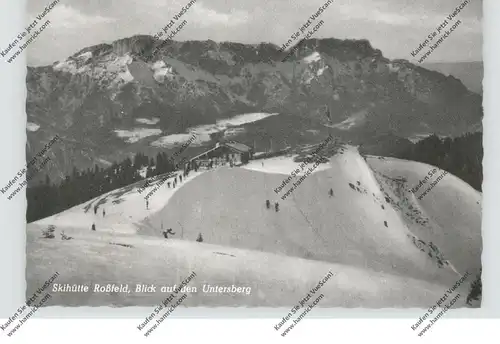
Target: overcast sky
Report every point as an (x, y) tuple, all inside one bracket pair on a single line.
[(394, 26)]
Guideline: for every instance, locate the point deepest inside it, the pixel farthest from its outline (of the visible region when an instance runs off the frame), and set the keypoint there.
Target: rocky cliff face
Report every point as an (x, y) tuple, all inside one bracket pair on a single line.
[(108, 87)]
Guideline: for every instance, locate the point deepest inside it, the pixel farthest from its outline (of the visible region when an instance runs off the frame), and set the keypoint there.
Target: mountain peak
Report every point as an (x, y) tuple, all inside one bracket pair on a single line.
[(134, 45), (106, 87)]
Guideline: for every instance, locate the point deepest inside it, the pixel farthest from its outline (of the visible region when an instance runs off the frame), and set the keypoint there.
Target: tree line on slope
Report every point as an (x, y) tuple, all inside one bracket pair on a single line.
[(461, 156), (49, 198)]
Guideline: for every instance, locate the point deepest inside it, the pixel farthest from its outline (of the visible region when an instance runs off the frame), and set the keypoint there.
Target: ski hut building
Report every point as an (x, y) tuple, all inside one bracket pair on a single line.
[(229, 153)]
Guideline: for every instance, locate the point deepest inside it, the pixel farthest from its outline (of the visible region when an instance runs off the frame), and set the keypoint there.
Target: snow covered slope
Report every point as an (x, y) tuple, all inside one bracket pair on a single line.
[(385, 247), (100, 258), (449, 215), (124, 207), (354, 227)]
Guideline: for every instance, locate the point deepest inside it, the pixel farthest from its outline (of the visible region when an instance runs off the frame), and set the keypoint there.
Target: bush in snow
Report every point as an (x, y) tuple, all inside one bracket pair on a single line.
[(49, 232)]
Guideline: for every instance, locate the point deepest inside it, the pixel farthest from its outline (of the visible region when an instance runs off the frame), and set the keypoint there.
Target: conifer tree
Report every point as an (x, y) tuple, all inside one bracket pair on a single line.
[(476, 289)]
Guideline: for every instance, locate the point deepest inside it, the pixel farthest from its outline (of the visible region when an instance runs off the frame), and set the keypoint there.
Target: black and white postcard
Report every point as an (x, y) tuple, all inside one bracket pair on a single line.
[(307, 154)]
